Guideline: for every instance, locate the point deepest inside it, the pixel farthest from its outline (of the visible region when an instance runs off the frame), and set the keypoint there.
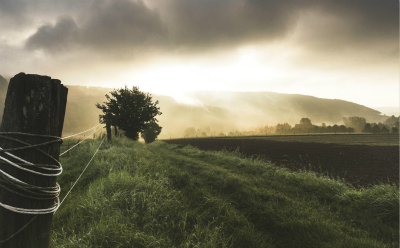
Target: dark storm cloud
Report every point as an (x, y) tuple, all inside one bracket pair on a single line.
[(353, 23), (229, 22), (55, 38), (356, 24), (107, 25), (122, 23), (22, 14), (200, 25), (12, 7)]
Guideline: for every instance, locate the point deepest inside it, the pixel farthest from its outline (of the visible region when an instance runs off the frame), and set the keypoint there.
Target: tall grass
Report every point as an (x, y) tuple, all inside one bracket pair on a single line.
[(159, 195)]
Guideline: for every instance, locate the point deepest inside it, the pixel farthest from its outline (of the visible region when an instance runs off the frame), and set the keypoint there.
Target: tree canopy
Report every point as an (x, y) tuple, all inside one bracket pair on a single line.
[(130, 110), (150, 132)]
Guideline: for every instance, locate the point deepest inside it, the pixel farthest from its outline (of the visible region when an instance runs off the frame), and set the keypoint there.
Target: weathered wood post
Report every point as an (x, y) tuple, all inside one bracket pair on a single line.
[(115, 131), (108, 128), (34, 105)]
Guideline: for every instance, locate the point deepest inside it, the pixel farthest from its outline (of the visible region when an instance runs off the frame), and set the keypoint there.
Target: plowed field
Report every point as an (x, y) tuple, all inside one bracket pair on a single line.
[(360, 165)]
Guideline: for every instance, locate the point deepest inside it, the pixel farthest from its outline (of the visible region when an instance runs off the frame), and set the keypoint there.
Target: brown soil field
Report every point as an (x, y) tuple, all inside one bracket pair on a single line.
[(359, 165)]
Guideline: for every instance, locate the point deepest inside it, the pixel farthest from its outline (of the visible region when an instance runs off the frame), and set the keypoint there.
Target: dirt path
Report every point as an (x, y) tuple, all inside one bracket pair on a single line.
[(360, 165)]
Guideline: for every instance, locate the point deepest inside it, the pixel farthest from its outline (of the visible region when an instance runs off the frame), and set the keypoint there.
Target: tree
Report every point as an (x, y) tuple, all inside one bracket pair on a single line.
[(355, 122), (150, 132), (376, 129), (130, 110), (283, 128), (305, 122), (384, 130), (395, 130), (342, 128), (335, 128), (350, 130), (367, 128), (391, 121), (190, 132)]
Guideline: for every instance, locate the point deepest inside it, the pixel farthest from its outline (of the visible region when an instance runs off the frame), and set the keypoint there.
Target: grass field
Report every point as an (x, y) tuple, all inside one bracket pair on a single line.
[(160, 195)]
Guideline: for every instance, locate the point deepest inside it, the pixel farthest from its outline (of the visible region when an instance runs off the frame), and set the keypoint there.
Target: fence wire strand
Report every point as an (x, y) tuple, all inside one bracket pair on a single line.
[(40, 193), (80, 174), (79, 142), (80, 132), (23, 189)]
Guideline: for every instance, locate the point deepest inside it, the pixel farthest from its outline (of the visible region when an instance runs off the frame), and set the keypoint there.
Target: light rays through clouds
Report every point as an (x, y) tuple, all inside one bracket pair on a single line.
[(332, 49)]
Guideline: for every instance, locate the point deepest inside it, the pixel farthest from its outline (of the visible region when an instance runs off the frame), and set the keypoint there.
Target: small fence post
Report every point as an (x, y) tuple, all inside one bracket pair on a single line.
[(35, 105), (115, 131), (108, 128)]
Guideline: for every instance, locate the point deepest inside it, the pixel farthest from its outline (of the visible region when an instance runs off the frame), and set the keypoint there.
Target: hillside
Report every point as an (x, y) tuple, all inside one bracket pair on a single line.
[(160, 195), (221, 111), (278, 107)]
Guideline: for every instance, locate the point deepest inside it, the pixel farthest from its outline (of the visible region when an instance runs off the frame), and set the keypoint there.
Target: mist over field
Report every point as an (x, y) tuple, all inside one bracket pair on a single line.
[(274, 119), (215, 112)]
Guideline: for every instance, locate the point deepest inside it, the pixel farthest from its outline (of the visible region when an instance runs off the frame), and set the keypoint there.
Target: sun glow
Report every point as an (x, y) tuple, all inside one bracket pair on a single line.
[(174, 78)]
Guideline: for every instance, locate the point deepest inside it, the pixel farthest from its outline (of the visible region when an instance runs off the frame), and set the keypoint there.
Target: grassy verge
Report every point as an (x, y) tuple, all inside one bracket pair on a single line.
[(159, 195)]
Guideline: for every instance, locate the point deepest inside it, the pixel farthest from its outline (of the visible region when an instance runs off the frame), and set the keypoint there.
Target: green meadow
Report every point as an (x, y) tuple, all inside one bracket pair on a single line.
[(159, 195)]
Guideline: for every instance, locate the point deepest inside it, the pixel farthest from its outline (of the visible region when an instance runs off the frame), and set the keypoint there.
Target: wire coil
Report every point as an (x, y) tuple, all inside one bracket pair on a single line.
[(24, 189)]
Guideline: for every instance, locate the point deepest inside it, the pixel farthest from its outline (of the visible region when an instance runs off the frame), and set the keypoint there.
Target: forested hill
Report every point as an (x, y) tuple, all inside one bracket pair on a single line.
[(286, 107), (221, 111)]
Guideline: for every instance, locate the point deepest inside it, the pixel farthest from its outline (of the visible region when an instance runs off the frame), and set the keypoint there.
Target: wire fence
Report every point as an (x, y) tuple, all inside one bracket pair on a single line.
[(24, 189), (77, 144)]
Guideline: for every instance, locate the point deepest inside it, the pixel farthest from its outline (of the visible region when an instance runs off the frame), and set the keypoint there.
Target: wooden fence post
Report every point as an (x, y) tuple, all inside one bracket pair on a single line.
[(108, 129), (35, 105), (115, 131)]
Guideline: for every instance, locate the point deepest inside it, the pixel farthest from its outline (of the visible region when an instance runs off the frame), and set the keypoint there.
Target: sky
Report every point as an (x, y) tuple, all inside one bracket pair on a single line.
[(337, 49)]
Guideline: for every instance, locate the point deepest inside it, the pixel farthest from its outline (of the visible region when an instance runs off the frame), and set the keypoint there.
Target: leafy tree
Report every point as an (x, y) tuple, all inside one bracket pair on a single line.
[(342, 128), (355, 122), (395, 130), (391, 121), (150, 132), (282, 128), (130, 110), (190, 132), (376, 129), (305, 122), (384, 130), (350, 130), (367, 128)]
